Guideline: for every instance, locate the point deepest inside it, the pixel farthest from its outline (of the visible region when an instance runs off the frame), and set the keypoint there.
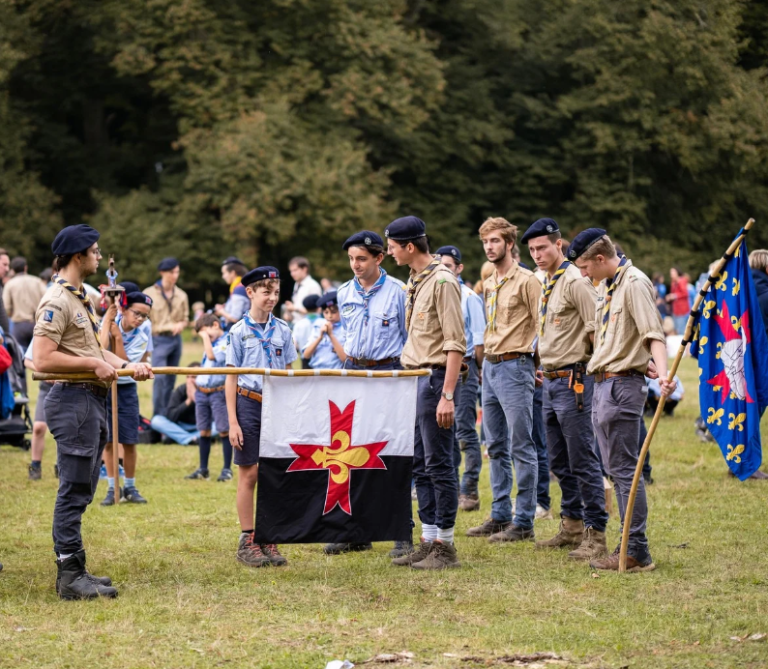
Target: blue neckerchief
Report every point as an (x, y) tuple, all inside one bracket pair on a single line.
[(213, 343), (159, 284), (127, 337), (266, 338), (366, 297)]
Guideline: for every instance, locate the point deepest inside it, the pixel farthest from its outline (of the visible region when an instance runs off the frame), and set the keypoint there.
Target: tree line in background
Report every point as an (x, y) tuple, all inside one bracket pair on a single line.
[(275, 128)]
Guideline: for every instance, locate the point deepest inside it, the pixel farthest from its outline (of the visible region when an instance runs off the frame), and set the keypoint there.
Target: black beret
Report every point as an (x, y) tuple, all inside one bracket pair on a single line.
[(408, 227), (541, 228), (167, 265), (449, 251), (583, 241), (364, 238), (137, 296), (74, 239), (327, 300), (130, 286), (259, 274), (232, 260), (310, 302)]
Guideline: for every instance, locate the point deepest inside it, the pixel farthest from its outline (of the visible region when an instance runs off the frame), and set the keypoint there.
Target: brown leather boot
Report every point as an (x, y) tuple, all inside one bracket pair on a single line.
[(424, 549), (489, 527), (592, 547), (570, 533), (469, 502)]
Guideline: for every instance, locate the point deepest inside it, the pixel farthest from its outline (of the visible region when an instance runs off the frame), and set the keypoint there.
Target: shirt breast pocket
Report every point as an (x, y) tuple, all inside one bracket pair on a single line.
[(278, 348), (557, 318), (386, 325), (508, 305), (84, 333), (616, 321)]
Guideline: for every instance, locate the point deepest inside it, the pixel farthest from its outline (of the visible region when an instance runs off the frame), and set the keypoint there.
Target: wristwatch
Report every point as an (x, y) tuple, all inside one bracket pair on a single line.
[(124, 365), (448, 396)]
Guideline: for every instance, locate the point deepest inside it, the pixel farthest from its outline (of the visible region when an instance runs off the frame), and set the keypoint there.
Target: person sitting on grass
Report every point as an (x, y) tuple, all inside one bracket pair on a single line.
[(210, 402), (127, 333), (178, 424)]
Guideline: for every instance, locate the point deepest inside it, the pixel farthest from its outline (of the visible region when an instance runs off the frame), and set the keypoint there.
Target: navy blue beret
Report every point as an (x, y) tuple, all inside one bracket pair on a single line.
[(583, 241), (259, 274), (408, 227), (327, 300), (541, 228), (449, 251), (137, 296), (310, 302), (130, 287), (232, 260), (74, 239), (167, 264), (364, 238)]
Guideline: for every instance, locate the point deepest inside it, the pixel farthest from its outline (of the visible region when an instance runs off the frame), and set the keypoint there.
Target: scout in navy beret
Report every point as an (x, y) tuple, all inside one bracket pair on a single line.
[(449, 251), (584, 240), (364, 238), (260, 274), (541, 228), (137, 296), (406, 228), (167, 265), (328, 300), (310, 302), (74, 239), (232, 260)]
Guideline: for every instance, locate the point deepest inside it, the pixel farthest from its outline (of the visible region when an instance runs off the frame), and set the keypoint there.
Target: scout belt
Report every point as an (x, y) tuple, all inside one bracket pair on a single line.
[(99, 391), (502, 357), (208, 391), (250, 394), (604, 376), (363, 362)]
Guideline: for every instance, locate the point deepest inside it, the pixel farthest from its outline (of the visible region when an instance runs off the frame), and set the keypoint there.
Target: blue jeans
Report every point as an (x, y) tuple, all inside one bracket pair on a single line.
[(508, 421), (540, 439), (466, 432), (166, 353), (181, 433)]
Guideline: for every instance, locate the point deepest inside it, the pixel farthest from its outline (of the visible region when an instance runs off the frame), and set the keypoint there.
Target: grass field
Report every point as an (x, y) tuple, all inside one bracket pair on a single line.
[(185, 602)]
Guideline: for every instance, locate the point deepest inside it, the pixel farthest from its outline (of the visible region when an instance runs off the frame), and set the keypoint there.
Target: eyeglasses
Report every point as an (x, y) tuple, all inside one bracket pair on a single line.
[(96, 251), (137, 314)]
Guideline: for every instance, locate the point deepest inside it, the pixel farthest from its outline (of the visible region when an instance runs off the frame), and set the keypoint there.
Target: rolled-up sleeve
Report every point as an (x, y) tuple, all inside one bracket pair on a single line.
[(641, 301), (448, 303)]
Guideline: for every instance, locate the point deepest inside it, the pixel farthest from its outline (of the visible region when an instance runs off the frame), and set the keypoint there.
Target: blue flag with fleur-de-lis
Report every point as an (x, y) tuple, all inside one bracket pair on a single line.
[(730, 343)]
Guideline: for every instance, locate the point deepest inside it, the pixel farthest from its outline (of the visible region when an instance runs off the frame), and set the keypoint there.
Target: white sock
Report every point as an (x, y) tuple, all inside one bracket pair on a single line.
[(429, 532), (445, 536), (64, 556)]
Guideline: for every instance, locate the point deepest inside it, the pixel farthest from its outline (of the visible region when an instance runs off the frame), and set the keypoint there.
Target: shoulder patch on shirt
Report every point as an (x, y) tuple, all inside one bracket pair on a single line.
[(441, 281), (48, 316)]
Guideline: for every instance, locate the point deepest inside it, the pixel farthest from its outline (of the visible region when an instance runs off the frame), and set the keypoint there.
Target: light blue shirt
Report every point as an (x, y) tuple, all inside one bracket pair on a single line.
[(236, 305), (219, 360), (655, 389), (384, 335), (245, 350), (474, 318), (302, 330), (136, 343), (325, 356)]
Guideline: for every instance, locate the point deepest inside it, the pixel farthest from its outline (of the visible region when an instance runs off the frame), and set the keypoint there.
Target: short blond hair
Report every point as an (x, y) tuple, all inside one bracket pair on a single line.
[(507, 230), (758, 260), (602, 247)]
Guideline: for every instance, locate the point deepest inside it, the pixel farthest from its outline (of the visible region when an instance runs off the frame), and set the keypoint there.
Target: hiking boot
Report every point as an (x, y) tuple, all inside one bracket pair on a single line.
[(198, 474), (634, 564), (132, 496), (109, 500), (273, 553), (469, 502), (592, 546), (35, 473), (250, 553), (569, 534), (401, 549), (424, 549), (442, 556), (512, 533), (226, 475), (100, 580), (489, 527), (542, 513), (338, 549), (74, 582)]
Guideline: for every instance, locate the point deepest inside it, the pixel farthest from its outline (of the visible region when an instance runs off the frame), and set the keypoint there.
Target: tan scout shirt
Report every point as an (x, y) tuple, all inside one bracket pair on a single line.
[(64, 320), (517, 312), (166, 313), (570, 319), (634, 322), (21, 296), (437, 324)]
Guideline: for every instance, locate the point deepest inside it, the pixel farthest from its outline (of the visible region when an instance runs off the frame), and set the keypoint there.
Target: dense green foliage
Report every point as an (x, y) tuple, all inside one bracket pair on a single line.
[(274, 128)]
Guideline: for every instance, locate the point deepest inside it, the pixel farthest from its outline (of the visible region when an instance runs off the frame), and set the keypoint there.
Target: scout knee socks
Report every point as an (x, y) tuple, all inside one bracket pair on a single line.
[(226, 447), (205, 451)]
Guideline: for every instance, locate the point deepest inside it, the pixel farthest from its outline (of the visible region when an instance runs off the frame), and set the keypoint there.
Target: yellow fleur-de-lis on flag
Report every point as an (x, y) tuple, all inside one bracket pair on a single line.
[(702, 342), (735, 453), (736, 422), (708, 306), (736, 286), (722, 282), (715, 416)]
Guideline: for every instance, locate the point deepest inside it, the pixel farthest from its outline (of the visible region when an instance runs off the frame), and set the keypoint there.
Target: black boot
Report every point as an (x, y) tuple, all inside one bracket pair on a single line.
[(74, 582)]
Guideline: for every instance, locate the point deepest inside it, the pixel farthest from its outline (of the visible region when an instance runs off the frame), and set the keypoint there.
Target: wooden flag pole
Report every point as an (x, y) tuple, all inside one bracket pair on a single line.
[(230, 371), (670, 376), (115, 443)]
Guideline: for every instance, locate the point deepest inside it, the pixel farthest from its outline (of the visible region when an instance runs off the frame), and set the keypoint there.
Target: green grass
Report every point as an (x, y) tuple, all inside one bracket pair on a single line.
[(185, 601)]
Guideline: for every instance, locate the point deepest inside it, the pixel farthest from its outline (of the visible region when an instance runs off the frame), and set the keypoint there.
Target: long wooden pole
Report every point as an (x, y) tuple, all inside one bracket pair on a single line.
[(670, 376), (115, 443), (228, 371)]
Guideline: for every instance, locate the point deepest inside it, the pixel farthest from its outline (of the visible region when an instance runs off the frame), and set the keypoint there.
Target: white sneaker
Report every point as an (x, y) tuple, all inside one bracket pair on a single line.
[(542, 513)]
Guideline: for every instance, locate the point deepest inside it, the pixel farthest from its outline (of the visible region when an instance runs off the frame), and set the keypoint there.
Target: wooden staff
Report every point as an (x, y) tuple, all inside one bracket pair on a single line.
[(229, 371), (670, 376), (115, 443)]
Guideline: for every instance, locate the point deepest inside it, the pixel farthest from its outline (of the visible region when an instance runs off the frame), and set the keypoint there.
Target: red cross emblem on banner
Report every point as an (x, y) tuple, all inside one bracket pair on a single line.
[(339, 459)]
